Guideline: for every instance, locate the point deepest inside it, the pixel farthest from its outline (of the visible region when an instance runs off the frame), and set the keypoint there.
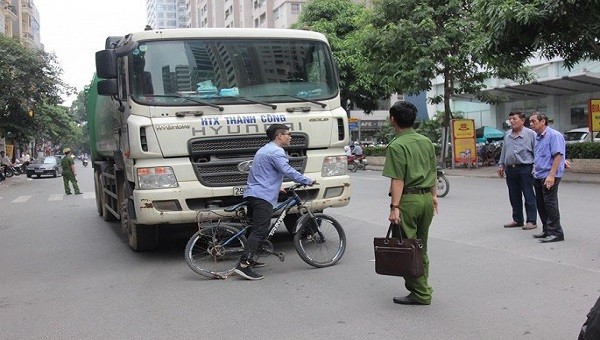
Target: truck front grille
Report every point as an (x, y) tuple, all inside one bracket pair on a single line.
[(216, 159)]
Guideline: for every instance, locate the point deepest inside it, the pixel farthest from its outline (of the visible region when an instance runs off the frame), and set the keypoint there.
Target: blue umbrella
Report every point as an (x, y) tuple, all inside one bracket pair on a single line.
[(488, 134)]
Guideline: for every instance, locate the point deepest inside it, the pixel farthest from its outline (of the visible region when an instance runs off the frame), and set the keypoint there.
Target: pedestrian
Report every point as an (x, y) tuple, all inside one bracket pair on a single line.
[(410, 165), (69, 174), (591, 327), (548, 168), (265, 178), (5, 163), (516, 164)]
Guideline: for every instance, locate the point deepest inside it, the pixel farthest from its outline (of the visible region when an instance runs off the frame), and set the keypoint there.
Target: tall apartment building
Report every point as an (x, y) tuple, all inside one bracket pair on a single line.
[(20, 19), (169, 13), (225, 13)]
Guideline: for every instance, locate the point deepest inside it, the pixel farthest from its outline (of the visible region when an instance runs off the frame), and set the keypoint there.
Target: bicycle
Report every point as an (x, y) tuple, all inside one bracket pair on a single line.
[(216, 248)]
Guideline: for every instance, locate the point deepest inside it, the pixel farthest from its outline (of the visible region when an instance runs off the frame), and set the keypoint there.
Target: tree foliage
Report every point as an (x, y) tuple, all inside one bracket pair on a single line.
[(29, 83), (343, 22), (412, 42), (515, 30)]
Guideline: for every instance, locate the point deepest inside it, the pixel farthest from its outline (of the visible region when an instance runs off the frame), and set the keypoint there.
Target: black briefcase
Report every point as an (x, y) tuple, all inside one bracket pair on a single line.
[(398, 256)]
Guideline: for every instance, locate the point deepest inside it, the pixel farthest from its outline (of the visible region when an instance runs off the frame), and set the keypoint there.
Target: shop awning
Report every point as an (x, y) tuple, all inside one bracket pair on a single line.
[(573, 84)]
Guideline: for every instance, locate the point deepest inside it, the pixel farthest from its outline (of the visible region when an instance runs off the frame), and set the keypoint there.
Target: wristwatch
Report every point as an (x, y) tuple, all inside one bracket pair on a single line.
[(394, 206)]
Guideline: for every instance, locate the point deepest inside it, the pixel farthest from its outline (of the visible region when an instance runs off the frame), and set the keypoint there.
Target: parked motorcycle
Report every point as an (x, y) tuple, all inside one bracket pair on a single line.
[(356, 163), (443, 185)]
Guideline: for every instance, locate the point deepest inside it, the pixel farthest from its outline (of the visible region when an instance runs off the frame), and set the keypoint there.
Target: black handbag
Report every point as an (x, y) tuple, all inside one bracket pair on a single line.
[(398, 256)]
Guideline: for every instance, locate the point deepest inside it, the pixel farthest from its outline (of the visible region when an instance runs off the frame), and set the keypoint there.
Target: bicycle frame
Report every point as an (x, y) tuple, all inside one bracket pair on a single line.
[(286, 205)]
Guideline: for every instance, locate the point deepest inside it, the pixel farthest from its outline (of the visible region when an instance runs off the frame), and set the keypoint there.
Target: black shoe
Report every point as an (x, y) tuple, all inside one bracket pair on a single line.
[(79, 193), (407, 300), (552, 238), (245, 271), (256, 264), (68, 193), (540, 235)]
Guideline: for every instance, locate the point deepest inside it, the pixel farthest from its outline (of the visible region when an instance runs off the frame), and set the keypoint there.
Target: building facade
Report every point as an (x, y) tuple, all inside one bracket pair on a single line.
[(20, 19), (560, 93)]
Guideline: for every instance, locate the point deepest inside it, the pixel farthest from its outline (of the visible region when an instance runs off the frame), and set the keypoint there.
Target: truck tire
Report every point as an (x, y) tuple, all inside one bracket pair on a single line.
[(140, 237)]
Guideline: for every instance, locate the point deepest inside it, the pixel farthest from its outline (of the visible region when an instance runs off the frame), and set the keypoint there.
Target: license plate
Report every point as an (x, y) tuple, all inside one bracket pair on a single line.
[(239, 191), (39, 171)]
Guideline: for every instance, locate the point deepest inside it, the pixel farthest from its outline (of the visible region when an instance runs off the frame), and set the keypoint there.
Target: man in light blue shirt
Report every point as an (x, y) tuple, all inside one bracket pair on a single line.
[(548, 169), (269, 167)]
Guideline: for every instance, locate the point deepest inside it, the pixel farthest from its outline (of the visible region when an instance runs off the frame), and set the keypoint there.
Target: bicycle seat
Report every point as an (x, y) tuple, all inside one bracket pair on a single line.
[(236, 207)]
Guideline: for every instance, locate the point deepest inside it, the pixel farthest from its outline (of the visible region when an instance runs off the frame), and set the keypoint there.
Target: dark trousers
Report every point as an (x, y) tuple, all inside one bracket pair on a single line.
[(261, 212), (547, 205), (520, 184)]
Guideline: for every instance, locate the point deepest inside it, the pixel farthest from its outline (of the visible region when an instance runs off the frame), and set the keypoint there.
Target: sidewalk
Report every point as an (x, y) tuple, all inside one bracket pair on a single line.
[(492, 172)]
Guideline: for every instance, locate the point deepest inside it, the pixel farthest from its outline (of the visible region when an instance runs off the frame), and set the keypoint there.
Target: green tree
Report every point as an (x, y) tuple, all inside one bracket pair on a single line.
[(29, 80), (414, 41), (343, 22), (515, 30)]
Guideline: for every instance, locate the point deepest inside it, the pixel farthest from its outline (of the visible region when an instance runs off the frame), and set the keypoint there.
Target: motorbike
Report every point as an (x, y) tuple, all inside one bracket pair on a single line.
[(9, 171), (356, 163), (443, 185), (85, 162)]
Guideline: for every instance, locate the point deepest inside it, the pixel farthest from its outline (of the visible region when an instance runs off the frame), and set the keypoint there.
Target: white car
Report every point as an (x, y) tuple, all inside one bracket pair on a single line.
[(581, 135)]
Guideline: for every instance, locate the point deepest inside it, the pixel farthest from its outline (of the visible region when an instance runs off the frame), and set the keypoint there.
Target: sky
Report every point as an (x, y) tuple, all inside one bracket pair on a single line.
[(74, 30)]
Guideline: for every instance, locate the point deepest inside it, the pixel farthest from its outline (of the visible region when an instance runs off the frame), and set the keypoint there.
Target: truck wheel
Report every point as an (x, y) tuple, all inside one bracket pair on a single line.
[(140, 237)]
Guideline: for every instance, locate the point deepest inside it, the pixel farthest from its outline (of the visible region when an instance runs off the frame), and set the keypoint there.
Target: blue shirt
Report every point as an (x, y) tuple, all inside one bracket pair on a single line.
[(518, 148), (269, 167), (548, 144)]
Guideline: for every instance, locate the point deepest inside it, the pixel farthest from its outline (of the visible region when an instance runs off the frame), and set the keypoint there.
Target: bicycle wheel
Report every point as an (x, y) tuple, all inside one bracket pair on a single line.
[(207, 255), (443, 186), (320, 241)]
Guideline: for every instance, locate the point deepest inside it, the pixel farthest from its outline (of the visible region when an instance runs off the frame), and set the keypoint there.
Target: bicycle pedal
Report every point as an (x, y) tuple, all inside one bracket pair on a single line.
[(281, 256)]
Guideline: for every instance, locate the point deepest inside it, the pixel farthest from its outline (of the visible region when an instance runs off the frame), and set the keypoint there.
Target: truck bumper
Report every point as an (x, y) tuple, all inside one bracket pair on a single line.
[(183, 204)]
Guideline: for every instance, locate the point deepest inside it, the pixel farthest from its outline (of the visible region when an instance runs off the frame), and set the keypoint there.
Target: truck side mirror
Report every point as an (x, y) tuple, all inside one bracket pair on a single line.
[(106, 64), (108, 87)]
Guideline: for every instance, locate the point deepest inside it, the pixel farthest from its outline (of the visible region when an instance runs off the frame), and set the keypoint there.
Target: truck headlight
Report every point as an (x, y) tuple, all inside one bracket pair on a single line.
[(334, 166), (160, 177)]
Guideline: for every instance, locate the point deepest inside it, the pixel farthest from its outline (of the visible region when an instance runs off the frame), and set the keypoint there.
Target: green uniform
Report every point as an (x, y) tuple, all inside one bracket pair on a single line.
[(68, 175), (411, 157)]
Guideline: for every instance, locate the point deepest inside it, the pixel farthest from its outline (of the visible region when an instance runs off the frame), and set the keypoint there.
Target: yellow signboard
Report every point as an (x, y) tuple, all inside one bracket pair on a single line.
[(463, 128), (353, 120), (594, 109), (463, 141)]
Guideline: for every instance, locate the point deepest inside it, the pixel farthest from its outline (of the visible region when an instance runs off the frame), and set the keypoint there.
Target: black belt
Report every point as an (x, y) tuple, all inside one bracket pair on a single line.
[(517, 165), (415, 190)]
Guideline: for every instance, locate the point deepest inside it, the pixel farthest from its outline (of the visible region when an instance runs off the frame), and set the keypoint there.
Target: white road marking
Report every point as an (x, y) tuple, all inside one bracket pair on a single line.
[(21, 199), (55, 197)]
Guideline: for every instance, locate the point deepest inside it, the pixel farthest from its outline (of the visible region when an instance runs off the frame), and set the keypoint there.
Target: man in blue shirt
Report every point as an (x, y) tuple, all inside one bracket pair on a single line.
[(548, 168), (516, 164), (269, 167)]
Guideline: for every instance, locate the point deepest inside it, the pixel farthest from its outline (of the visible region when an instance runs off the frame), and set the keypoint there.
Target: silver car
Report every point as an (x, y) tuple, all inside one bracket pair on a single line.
[(581, 135), (45, 166)]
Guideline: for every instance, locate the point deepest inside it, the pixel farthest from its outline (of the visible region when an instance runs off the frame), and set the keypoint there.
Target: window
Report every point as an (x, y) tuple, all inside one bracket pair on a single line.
[(296, 7)]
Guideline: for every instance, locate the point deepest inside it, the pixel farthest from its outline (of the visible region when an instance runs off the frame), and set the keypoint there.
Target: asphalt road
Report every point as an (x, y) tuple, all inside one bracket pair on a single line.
[(68, 274)]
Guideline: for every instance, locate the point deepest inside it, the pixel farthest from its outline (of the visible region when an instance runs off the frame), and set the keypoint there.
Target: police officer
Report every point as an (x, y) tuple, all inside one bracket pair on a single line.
[(410, 164), (68, 166)]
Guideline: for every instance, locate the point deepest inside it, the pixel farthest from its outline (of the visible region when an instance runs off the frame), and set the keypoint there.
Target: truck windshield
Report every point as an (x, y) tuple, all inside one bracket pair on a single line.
[(218, 71)]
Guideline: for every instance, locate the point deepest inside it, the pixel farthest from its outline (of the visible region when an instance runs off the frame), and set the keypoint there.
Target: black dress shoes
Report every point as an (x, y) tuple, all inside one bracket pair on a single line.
[(552, 238), (407, 300), (540, 235)]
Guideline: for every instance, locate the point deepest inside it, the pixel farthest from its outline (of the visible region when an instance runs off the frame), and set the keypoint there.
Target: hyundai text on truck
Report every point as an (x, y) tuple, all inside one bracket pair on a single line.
[(176, 116)]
